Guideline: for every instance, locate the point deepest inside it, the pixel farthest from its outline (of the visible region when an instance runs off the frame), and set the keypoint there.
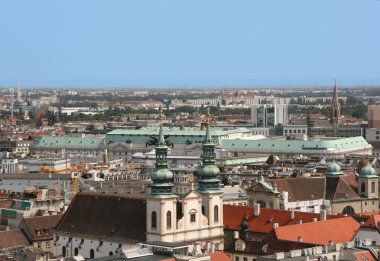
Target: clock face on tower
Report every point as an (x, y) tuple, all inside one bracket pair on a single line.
[(239, 246)]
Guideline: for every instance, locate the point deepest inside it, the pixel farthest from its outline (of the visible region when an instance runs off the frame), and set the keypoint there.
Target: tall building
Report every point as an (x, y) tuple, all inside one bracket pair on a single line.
[(373, 116), (335, 111), (269, 115)]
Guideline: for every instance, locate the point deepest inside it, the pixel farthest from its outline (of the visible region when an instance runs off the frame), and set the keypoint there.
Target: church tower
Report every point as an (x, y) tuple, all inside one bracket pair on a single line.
[(161, 202), (368, 182), (335, 111), (209, 184)]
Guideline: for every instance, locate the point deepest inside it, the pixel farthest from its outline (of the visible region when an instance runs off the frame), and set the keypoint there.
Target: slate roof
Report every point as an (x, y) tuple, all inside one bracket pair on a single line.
[(13, 238), (301, 189), (337, 189), (233, 216), (41, 228), (106, 216), (320, 233)]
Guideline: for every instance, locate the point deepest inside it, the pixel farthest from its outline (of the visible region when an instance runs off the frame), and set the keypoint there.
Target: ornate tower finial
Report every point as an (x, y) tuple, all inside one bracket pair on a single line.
[(208, 115), (161, 115), (208, 172)]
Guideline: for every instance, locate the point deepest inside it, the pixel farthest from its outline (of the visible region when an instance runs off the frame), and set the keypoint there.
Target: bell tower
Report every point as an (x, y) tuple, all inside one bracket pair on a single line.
[(209, 184), (161, 202)]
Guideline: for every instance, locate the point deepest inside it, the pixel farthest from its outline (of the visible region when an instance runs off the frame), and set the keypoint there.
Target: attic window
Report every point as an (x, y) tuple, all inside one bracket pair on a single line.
[(246, 144), (258, 145), (38, 232)]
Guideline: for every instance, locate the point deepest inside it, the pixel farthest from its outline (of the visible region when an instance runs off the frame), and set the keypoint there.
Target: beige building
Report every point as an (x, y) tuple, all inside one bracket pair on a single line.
[(373, 116)]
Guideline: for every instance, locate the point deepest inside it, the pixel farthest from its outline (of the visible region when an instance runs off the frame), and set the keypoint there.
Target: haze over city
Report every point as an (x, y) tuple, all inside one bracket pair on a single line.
[(189, 43)]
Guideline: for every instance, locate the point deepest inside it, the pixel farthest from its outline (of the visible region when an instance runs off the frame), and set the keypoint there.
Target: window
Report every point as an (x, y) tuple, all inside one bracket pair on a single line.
[(169, 220), (216, 214), (92, 253), (363, 187), (76, 251), (63, 251), (47, 244), (39, 245), (192, 217), (373, 187), (245, 259), (236, 258), (154, 219), (110, 253)]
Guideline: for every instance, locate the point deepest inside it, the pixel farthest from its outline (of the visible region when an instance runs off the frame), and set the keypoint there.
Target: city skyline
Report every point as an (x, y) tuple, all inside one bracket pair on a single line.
[(177, 44)]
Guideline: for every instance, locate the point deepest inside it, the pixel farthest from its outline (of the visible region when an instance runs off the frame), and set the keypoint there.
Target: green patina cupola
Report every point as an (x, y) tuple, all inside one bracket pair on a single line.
[(162, 177), (333, 169), (367, 172), (208, 172)]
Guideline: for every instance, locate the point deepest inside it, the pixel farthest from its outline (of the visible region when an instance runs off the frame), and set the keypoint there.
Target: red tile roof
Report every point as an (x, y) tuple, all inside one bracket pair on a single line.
[(320, 233), (373, 221), (13, 238), (365, 255), (219, 256), (233, 216)]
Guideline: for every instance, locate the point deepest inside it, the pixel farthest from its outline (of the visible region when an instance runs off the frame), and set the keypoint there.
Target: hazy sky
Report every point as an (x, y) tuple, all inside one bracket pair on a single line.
[(189, 42)]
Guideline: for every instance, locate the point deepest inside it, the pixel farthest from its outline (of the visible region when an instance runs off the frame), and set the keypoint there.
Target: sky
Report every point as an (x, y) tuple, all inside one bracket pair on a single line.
[(189, 43)]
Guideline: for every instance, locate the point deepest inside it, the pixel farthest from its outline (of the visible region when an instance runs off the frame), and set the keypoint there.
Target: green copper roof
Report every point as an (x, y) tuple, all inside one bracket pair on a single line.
[(270, 146), (89, 143), (174, 135), (208, 172), (368, 172), (333, 169)]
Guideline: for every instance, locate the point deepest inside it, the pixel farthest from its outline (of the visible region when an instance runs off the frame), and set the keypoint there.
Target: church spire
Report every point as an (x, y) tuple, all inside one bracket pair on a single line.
[(208, 173), (335, 111), (161, 176)]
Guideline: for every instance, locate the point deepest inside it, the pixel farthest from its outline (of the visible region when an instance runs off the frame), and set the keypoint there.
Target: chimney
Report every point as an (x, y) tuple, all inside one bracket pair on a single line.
[(315, 219), (236, 235), (323, 215), (256, 209), (292, 214), (299, 239), (299, 221), (275, 225)]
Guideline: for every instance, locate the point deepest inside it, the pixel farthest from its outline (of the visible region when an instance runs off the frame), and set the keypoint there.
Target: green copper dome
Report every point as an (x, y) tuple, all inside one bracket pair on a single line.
[(368, 171), (333, 169), (161, 175), (209, 171)]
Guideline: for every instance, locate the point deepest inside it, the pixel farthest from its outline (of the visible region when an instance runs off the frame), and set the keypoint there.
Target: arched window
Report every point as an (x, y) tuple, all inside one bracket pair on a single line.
[(154, 219), (262, 203), (76, 251), (216, 213), (348, 211), (168, 220), (92, 253), (373, 187), (203, 210), (111, 253), (363, 187), (63, 251)]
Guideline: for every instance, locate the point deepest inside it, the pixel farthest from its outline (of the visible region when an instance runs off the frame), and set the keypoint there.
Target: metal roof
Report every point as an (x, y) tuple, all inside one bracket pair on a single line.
[(83, 143)]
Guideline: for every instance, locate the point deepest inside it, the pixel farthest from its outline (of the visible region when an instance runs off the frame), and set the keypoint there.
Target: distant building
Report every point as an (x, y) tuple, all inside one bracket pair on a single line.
[(269, 115), (373, 116)]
